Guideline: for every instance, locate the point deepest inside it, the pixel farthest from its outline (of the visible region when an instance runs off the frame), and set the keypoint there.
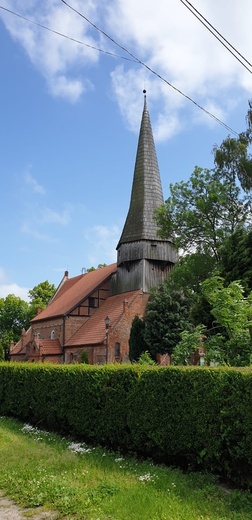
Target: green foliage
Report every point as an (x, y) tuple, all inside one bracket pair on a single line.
[(182, 416), (14, 315), (166, 316), (190, 342), (137, 343), (232, 157), (229, 342), (1, 353), (190, 271), (202, 212), (75, 480), (40, 296), (229, 307), (235, 258), (145, 359), (94, 268), (84, 357), (209, 218)]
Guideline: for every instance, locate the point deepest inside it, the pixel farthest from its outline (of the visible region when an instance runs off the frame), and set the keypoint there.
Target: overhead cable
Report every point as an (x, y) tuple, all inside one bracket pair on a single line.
[(217, 34), (64, 35), (133, 58), (149, 68)]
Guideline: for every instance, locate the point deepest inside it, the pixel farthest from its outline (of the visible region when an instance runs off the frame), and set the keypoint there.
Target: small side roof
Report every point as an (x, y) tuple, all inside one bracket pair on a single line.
[(20, 346), (49, 347)]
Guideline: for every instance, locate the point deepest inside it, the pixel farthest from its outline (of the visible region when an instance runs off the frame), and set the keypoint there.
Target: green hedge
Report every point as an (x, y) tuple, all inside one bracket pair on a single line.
[(191, 417)]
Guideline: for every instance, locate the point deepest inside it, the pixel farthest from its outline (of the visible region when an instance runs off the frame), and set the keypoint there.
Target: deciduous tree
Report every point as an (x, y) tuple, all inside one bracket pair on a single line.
[(202, 212)]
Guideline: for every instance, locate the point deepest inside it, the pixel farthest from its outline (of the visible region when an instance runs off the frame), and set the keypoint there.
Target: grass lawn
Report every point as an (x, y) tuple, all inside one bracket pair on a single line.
[(40, 469)]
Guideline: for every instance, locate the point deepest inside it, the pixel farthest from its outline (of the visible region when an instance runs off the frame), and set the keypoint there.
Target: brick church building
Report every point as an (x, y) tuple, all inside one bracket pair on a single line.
[(93, 312)]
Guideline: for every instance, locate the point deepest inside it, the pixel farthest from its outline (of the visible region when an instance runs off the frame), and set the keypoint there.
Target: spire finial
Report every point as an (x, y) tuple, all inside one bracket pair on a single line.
[(144, 92)]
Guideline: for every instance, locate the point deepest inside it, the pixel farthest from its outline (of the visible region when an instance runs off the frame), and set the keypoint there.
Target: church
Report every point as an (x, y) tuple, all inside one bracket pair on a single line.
[(91, 314)]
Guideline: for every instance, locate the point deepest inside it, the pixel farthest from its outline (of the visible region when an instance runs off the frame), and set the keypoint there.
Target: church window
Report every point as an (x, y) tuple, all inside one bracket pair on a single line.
[(53, 335), (117, 350), (91, 301)]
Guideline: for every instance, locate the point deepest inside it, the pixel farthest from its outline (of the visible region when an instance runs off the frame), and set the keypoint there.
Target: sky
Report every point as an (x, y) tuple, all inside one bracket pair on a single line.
[(71, 105)]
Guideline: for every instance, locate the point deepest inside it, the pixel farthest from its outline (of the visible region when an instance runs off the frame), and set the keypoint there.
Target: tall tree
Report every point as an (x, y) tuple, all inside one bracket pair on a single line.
[(202, 212), (167, 315), (137, 344), (235, 258), (40, 296), (14, 315), (234, 313), (233, 159)]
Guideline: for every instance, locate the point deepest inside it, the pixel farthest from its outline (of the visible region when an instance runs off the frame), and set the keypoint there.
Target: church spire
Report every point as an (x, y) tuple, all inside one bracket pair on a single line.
[(146, 194), (143, 258)]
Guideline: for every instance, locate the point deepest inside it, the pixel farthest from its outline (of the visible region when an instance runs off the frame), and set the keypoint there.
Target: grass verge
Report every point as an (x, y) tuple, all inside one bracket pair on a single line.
[(41, 469)]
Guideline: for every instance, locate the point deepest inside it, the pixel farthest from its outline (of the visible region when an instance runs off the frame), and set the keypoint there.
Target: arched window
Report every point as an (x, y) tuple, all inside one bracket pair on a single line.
[(53, 335), (117, 350)]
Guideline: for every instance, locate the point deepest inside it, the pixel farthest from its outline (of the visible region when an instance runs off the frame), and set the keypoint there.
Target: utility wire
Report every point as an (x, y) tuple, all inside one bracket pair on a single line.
[(64, 35), (133, 58), (149, 68), (214, 32)]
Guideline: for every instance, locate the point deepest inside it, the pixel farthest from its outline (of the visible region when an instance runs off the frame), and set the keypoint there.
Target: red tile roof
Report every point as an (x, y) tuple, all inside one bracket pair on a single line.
[(49, 347), (74, 291), (20, 346), (92, 332)]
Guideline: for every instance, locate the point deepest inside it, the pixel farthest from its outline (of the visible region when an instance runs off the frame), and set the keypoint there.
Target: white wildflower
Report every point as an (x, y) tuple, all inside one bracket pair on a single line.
[(78, 448), (145, 478)]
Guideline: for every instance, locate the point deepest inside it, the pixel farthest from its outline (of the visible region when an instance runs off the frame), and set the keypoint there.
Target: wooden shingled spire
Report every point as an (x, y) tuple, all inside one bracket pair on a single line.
[(143, 258), (146, 194)]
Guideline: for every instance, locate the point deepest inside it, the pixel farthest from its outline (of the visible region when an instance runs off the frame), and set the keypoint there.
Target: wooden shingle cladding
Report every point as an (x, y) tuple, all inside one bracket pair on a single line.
[(146, 193), (144, 259)]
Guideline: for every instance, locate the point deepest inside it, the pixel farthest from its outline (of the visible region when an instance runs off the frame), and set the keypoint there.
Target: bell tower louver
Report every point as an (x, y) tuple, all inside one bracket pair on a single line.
[(143, 258)]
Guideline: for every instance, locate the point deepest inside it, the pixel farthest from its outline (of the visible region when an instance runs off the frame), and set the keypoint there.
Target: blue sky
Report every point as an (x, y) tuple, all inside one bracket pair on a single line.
[(70, 118)]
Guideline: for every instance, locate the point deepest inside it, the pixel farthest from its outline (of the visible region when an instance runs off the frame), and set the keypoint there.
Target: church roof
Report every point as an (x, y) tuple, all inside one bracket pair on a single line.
[(146, 194), (75, 290), (20, 347), (92, 332)]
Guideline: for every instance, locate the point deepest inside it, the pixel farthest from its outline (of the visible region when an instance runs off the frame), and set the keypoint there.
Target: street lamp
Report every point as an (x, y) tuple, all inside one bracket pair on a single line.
[(107, 323)]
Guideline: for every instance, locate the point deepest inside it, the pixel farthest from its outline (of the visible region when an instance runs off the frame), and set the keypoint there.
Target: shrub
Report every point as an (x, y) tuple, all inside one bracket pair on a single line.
[(195, 417)]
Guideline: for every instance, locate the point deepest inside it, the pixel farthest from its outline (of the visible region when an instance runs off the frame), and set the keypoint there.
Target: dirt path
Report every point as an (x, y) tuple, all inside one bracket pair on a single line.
[(10, 511)]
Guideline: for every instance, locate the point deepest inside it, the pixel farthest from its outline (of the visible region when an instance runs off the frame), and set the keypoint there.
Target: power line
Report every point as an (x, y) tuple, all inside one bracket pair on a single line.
[(214, 32), (64, 35), (133, 58), (149, 68)]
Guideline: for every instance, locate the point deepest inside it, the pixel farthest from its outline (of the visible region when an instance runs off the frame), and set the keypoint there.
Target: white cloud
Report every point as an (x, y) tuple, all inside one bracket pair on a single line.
[(36, 187), (28, 228), (7, 288), (171, 41), (54, 56), (61, 86), (39, 226), (50, 216), (164, 35), (102, 244)]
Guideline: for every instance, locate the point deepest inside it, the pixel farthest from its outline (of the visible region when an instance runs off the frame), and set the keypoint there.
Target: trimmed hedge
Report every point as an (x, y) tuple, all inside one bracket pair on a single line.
[(193, 417)]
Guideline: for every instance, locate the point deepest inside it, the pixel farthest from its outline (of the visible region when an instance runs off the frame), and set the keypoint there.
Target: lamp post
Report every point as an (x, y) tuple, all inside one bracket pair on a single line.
[(107, 323)]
